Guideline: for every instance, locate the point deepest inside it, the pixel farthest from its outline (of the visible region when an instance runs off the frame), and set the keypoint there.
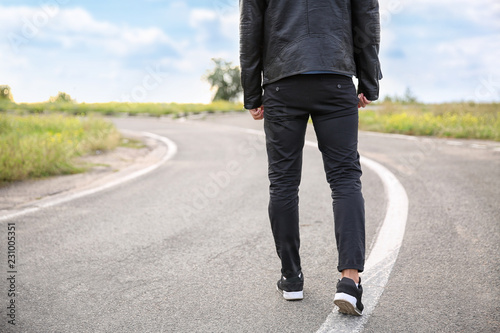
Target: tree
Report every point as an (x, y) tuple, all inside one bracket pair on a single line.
[(226, 79), (5, 93), (61, 97), (409, 97)]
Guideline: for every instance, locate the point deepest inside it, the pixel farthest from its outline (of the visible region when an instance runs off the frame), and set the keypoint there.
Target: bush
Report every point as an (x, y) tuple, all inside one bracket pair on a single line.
[(44, 145), (5, 94), (450, 120)]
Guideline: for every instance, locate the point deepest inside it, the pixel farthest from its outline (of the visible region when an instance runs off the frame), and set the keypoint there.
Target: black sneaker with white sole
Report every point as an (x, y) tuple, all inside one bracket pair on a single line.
[(291, 288), (348, 297)]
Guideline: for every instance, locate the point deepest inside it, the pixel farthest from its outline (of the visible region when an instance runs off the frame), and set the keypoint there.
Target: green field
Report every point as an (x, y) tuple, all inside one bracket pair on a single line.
[(451, 120), (116, 108), (42, 139), (44, 145)]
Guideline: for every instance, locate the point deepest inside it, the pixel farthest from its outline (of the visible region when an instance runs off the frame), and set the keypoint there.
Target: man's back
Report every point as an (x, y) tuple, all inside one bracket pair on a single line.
[(285, 38), (302, 36)]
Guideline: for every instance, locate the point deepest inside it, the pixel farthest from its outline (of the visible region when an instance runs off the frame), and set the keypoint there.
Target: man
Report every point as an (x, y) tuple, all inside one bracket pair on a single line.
[(297, 61)]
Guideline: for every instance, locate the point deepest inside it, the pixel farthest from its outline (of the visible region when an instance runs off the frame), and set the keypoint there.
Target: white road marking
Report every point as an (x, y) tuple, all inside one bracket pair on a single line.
[(454, 143), (377, 267), (392, 135), (383, 255), (384, 252), (171, 151), (489, 145)]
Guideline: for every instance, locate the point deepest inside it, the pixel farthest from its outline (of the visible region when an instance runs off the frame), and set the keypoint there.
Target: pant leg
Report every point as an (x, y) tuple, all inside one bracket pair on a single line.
[(337, 134), (285, 128)]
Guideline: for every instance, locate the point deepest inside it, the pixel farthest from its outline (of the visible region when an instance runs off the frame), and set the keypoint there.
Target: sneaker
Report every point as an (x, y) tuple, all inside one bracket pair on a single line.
[(348, 297), (291, 288)]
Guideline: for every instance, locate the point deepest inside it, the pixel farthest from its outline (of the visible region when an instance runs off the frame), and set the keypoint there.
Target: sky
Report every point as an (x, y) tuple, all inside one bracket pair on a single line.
[(159, 50)]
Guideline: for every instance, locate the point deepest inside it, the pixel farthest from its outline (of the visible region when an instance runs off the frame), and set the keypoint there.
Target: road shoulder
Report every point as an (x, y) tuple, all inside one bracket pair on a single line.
[(106, 167)]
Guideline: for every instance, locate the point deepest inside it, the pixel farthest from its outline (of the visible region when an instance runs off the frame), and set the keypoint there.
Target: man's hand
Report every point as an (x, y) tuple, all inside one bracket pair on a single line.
[(258, 113), (363, 101)]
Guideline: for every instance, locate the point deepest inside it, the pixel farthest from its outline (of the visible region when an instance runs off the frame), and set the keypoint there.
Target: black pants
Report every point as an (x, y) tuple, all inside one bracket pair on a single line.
[(331, 101)]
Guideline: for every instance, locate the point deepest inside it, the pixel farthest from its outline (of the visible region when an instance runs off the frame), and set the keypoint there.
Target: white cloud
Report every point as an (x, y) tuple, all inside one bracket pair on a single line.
[(78, 20), (441, 49), (229, 25), (91, 59), (484, 13), (75, 27), (199, 16), (226, 19)]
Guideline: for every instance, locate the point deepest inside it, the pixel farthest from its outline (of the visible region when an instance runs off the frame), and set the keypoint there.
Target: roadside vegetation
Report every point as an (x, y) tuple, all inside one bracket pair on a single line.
[(448, 120), (43, 139), (37, 146), (117, 108), (225, 79)]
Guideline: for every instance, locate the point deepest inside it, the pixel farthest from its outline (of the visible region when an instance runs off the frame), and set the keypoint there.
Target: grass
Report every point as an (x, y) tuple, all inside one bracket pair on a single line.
[(45, 142), (37, 146), (131, 143), (42, 139), (449, 120), (116, 108)]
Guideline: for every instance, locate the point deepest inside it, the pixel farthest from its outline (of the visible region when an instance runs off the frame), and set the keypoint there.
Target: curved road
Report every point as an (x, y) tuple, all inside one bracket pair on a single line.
[(188, 248)]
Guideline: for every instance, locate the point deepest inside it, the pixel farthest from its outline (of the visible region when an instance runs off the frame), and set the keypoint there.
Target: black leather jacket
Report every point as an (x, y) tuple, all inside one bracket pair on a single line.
[(280, 38)]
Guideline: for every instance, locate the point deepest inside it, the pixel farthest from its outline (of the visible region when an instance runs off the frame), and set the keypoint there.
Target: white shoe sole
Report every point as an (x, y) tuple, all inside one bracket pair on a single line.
[(291, 295), (346, 304)]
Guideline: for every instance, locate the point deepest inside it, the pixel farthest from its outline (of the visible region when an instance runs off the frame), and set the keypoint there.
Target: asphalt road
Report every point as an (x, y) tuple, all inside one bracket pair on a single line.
[(188, 247)]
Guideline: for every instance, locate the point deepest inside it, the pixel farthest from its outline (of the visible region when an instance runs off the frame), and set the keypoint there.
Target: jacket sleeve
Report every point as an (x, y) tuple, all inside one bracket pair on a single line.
[(366, 38), (251, 45)]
